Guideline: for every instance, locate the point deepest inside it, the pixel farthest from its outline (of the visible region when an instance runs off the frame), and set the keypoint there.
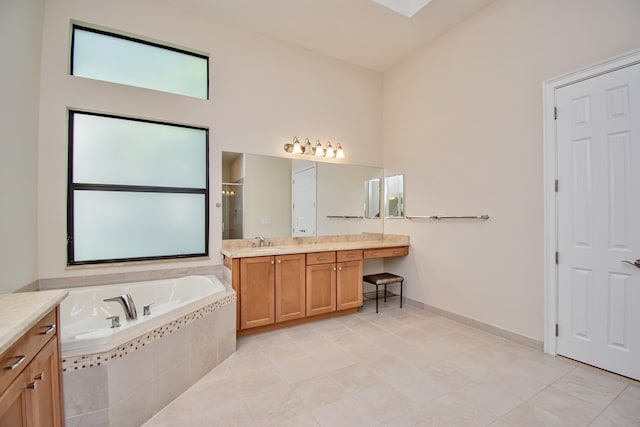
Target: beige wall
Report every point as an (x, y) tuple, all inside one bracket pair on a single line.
[(262, 94), (20, 47), (463, 122)]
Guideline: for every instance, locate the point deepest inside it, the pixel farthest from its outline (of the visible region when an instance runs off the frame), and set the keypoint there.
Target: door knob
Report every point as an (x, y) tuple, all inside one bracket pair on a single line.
[(635, 264)]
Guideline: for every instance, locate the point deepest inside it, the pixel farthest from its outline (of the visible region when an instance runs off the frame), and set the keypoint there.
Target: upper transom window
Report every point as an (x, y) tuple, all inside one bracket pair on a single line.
[(115, 58)]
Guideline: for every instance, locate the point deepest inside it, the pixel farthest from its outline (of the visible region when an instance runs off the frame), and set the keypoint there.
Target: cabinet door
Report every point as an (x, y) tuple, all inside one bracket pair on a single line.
[(290, 287), (349, 285), (45, 396), (321, 289), (257, 302), (13, 403)]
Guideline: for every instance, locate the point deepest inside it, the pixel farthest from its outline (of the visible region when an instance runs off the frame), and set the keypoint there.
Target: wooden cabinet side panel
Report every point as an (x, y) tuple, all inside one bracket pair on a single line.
[(290, 287), (257, 305), (321, 289), (235, 284)]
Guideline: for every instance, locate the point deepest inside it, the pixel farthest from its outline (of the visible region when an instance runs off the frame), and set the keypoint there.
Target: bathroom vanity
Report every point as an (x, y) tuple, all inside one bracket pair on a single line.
[(302, 279), (30, 385)]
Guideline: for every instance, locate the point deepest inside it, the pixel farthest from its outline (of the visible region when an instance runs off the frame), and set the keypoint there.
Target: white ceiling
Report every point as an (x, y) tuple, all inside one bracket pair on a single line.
[(361, 32)]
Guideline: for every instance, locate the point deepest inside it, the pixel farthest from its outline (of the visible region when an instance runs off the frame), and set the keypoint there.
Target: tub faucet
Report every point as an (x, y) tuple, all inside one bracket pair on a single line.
[(127, 304)]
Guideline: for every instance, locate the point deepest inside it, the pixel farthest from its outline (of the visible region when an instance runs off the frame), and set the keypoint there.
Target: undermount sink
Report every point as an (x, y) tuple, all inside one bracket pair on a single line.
[(265, 249)]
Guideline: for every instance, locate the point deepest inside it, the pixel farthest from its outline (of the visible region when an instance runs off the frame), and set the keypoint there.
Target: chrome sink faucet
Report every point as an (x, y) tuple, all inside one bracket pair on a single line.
[(261, 239), (127, 305)]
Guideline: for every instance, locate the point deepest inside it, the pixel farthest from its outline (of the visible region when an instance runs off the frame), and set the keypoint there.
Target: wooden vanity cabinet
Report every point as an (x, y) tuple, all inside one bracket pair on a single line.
[(334, 281), (257, 290), (272, 289), (290, 287), (34, 396), (349, 280), (321, 288)]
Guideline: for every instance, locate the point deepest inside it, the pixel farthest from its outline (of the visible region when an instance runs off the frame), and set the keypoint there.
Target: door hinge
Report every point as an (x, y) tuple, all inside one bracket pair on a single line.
[(557, 185), (555, 113), (557, 329), (557, 257)]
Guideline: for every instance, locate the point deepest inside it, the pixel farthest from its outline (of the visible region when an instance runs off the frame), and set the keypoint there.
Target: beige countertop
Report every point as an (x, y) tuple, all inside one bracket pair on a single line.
[(21, 311), (284, 249)]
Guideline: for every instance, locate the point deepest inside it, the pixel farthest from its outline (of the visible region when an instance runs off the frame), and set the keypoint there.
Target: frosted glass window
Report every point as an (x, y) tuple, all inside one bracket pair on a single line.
[(114, 58), (138, 190), (130, 152), (113, 225)]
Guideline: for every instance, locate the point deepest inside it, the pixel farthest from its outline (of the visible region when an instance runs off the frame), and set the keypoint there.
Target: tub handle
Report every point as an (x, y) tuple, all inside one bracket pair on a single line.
[(115, 321), (146, 309)]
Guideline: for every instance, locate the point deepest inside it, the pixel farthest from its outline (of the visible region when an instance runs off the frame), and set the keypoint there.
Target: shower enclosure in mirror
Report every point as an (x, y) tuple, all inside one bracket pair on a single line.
[(231, 211), (394, 196), (372, 198), (326, 198)]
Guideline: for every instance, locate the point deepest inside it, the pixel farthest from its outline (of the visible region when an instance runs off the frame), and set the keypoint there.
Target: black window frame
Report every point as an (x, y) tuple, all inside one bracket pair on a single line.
[(71, 187), (141, 41)]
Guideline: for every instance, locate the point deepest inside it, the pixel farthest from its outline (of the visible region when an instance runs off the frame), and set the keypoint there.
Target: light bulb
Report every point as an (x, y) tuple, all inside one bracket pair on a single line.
[(297, 148), (339, 152), (330, 152), (319, 149)]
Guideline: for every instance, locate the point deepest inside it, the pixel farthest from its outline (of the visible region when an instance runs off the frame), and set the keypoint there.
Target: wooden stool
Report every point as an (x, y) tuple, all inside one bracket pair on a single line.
[(384, 279)]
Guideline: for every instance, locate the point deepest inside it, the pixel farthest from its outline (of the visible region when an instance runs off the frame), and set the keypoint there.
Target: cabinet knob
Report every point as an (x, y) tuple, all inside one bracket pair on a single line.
[(334, 269), (279, 261), (32, 385), (39, 377), (272, 262), (340, 268)]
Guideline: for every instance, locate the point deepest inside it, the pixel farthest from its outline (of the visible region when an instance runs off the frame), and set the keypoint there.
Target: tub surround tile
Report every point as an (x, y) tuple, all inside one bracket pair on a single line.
[(91, 419), (130, 383), (127, 374), (100, 359), (21, 311), (85, 392)]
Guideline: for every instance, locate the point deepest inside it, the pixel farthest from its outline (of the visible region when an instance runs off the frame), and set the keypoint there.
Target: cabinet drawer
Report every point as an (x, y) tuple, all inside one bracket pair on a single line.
[(18, 356), (350, 255), (386, 252), (321, 258)]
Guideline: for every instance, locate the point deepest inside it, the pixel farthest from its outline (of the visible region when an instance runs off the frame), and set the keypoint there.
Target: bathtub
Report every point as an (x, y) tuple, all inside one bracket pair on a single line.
[(83, 314), (121, 377)]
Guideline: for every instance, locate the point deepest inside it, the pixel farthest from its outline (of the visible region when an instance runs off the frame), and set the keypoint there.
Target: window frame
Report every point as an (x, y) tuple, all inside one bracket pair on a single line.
[(71, 187), (136, 40)]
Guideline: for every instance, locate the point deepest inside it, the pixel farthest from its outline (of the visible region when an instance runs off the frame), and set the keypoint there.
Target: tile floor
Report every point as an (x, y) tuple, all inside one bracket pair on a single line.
[(401, 367)]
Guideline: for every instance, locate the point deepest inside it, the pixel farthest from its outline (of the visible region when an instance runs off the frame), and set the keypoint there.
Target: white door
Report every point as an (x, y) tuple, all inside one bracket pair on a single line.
[(598, 136), (303, 198)]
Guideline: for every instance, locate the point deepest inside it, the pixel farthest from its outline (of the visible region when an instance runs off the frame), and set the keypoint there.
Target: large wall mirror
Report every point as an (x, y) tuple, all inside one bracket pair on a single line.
[(280, 197)]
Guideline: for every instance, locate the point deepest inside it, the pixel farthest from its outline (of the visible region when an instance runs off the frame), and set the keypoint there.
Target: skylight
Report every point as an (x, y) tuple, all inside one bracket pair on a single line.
[(407, 8)]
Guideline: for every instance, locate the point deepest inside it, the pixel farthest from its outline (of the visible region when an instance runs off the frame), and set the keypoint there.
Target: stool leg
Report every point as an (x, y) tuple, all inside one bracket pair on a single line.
[(401, 283), (385, 292), (376, 298)]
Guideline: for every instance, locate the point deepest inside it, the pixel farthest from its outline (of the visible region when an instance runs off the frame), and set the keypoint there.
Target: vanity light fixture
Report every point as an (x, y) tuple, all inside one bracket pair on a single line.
[(308, 149), (318, 150), (297, 148), (330, 152)]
